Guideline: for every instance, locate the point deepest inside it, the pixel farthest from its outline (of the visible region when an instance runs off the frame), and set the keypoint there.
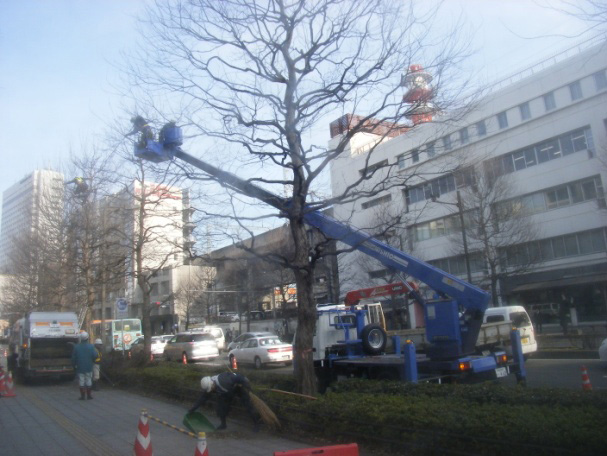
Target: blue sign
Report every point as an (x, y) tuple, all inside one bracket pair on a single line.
[(122, 308)]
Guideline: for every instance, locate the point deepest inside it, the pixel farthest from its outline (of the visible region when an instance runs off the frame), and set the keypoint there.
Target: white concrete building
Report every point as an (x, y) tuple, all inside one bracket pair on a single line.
[(167, 234), (23, 208), (544, 134)]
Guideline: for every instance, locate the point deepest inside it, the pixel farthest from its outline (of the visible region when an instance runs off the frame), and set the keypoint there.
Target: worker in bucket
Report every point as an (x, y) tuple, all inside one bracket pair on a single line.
[(224, 387), (140, 125), (83, 358)]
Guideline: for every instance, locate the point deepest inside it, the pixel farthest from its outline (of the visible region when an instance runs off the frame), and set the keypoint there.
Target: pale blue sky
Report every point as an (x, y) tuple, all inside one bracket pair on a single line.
[(56, 72)]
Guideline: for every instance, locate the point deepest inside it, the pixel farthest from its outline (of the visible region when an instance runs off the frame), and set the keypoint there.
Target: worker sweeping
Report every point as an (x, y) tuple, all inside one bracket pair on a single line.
[(225, 387)]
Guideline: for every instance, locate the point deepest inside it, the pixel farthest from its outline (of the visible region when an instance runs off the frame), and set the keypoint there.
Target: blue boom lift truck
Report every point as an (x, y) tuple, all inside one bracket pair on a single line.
[(453, 320)]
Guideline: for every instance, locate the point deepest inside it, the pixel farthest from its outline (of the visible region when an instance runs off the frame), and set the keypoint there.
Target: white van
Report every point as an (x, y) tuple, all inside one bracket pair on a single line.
[(520, 320)]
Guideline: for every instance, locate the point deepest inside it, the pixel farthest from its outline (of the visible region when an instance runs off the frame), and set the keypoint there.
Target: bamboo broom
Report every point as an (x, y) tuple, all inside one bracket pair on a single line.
[(265, 412)]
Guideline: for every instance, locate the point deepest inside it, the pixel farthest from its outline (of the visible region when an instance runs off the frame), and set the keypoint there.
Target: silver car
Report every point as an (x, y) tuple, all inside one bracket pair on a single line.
[(187, 347), (262, 350), (246, 336)]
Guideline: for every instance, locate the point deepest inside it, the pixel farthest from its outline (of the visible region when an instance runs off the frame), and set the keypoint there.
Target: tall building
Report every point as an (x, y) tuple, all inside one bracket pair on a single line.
[(542, 131), (25, 206), (165, 236)]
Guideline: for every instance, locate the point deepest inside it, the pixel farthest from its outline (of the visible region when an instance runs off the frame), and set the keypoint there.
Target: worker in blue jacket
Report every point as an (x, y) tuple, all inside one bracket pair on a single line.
[(224, 387), (83, 358)]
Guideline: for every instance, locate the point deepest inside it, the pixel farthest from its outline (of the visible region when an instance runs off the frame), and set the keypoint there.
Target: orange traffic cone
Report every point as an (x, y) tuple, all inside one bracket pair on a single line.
[(234, 363), (201, 445), (2, 384), (586, 385), (143, 441), (9, 388)]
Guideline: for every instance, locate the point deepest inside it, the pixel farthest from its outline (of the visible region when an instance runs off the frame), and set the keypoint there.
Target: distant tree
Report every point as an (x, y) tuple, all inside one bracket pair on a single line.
[(496, 225)]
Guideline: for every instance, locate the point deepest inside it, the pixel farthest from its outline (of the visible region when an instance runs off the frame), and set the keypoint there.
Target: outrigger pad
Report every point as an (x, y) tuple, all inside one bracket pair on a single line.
[(197, 422)]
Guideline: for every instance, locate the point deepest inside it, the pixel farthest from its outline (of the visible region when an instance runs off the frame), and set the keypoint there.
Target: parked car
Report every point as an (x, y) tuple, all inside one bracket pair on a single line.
[(603, 351), (520, 319), (191, 347), (262, 350), (246, 336), (158, 343), (218, 334)]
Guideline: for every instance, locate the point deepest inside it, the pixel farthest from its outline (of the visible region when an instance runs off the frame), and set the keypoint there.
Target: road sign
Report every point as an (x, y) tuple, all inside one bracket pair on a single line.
[(122, 308)]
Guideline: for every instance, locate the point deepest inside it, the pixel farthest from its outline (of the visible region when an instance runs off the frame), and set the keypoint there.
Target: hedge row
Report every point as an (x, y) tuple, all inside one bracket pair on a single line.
[(413, 419)]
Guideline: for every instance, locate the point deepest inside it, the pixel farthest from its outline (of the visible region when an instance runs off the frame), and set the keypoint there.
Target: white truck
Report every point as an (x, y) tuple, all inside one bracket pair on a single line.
[(41, 345)]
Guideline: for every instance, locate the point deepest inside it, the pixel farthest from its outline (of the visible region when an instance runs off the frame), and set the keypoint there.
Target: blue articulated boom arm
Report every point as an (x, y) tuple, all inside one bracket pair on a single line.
[(462, 332)]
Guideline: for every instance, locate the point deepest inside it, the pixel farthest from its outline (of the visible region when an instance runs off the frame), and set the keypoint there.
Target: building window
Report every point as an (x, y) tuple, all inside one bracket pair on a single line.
[(549, 102), (430, 150), (370, 170), (440, 186), (547, 150), (447, 142), (502, 120), (481, 128), (377, 201), (415, 155), (401, 161), (463, 136), (575, 89), (600, 80), (525, 111), (581, 243)]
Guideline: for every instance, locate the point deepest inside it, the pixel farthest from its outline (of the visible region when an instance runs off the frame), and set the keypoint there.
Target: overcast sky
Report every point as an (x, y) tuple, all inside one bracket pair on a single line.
[(57, 72)]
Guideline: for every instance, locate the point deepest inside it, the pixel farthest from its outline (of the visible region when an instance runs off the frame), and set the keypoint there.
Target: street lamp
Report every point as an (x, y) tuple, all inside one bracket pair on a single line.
[(460, 210)]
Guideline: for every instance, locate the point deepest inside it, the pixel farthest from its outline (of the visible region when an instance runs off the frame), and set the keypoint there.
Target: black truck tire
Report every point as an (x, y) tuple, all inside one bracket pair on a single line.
[(374, 339)]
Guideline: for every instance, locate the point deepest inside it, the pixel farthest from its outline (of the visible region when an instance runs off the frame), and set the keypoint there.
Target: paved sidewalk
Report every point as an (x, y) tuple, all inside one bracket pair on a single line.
[(48, 419)]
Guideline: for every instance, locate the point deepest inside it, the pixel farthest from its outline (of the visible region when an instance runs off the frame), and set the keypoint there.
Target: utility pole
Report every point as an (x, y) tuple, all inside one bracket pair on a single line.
[(464, 238)]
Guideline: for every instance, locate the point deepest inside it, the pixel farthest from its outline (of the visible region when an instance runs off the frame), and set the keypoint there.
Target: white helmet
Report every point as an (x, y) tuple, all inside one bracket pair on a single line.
[(98, 342), (84, 335), (206, 384)]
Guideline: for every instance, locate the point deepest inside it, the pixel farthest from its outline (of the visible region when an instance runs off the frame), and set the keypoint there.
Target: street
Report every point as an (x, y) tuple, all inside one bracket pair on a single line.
[(550, 373)]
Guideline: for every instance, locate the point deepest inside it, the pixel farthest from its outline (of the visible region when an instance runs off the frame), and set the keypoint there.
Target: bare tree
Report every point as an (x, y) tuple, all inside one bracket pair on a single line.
[(255, 78), (495, 224)]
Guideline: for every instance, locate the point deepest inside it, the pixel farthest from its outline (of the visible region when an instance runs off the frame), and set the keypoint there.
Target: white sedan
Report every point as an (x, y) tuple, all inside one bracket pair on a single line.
[(262, 350), (603, 351)]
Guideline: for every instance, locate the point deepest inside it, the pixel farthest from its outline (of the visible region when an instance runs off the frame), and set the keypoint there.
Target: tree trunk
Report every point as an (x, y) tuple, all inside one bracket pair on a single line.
[(306, 312)]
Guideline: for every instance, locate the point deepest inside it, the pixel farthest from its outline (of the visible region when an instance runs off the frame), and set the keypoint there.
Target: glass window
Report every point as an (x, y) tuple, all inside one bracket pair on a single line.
[(519, 160), (508, 163), (579, 140), (546, 250), (549, 102), (430, 150), (571, 245), (575, 190), (558, 246), (463, 136), (447, 142), (525, 111), (415, 155), (566, 144), (598, 240), (589, 189), (575, 89), (530, 157), (481, 128), (502, 120), (401, 161), (600, 80)]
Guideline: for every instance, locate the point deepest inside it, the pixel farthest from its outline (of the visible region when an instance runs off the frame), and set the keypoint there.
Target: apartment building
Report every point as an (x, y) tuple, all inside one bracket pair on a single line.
[(543, 132)]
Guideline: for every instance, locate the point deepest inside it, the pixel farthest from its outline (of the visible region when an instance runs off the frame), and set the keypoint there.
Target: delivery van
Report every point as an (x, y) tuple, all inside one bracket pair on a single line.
[(520, 320)]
